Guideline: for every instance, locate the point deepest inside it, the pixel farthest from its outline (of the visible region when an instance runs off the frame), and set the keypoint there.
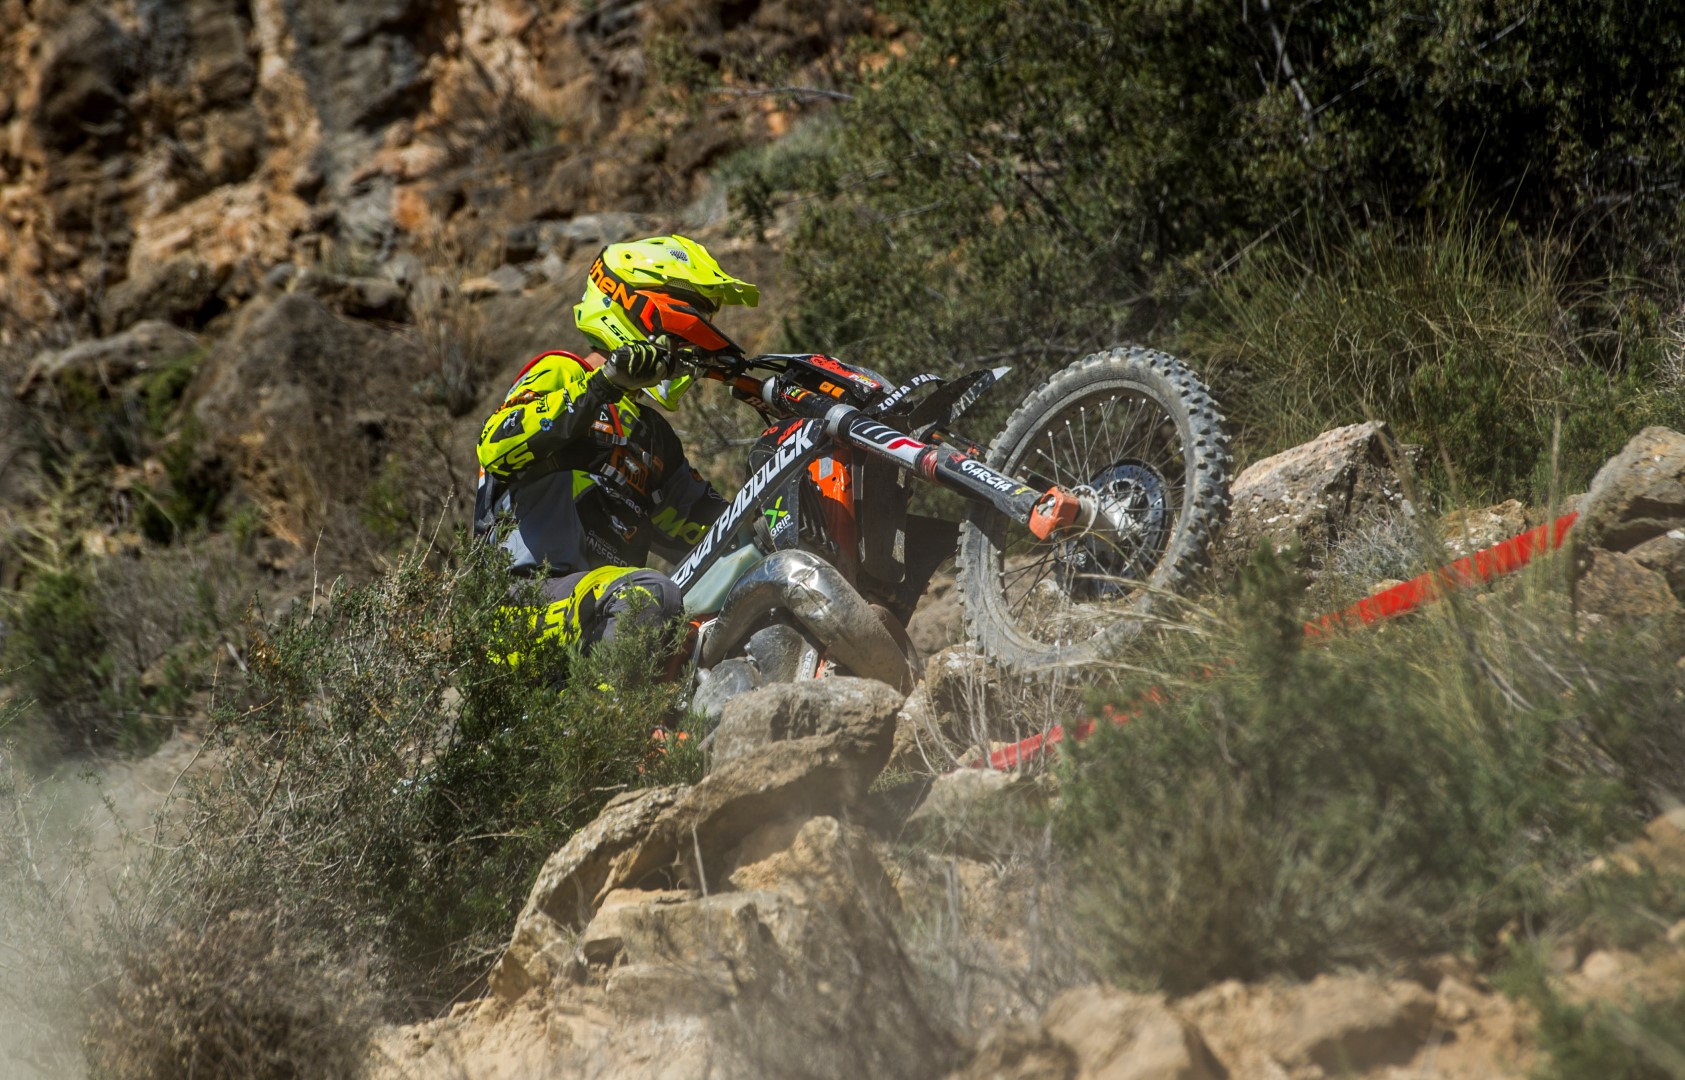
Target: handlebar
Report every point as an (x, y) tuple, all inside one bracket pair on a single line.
[(1044, 513)]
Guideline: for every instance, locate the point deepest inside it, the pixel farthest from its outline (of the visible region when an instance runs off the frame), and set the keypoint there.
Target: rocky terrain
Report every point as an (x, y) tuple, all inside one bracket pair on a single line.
[(765, 921), (264, 267)]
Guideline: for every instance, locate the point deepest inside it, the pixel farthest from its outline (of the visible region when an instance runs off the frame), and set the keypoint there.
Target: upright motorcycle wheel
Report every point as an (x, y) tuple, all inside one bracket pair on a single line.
[(1136, 431)]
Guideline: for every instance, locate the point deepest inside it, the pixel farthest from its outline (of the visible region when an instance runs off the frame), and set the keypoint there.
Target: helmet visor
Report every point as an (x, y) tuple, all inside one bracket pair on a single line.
[(685, 295)]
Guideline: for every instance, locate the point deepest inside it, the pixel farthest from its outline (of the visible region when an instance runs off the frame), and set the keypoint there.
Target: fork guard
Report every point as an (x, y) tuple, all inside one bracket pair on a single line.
[(818, 597)]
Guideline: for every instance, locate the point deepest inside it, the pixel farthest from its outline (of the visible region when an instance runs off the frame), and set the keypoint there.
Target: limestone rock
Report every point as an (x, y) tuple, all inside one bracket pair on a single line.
[(1637, 495), (826, 864), (1015, 1052), (1618, 585), (1629, 543), (503, 280), (690, 932), (590, 231), (1116, 1035), (1467, 531), (916, 750), (697, 841), (1345, 1024), (182, 290), (797, 949), (361, 297), (108, 361), (565, 896), (973, 813), (87, 71), (1313, 494), (302, 404), (965, 696), (938, 622), (795, 710)]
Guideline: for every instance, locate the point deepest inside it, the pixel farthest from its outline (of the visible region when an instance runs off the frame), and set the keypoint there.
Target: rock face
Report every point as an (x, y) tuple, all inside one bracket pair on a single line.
[(301, 401), (697, 841), (1312, 494), (797, 710), (1121, 1036), (939, 621), (160, 157), (773, 955), (1467, 531), (1100, 1033), (824, 744), (1346, 1025), (568, 888), (1629, 543), (975, 813), (105, 362)]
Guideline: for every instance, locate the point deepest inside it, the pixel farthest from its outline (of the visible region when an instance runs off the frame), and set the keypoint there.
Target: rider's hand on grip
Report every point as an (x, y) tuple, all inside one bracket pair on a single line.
[(639, 364)]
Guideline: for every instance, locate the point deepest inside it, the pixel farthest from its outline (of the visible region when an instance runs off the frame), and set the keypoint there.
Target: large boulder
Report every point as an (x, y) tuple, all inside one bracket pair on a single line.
[(791, 966), (1629, 543), (798, 965), (565, 896), (182, 290), (1334, 1025), (88, 67), (1315, 493), (1116, 1035), (1098, 1033), (938, 622), (822, 745), (796, 710), (702, 838), (976, 813), (1348, 1024)]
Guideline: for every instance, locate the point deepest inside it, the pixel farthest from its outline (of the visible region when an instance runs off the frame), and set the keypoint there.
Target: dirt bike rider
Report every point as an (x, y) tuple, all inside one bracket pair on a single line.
[(593, 476)]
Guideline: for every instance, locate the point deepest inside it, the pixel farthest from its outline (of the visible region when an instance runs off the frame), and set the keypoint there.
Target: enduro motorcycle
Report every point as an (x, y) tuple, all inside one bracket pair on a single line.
[(1103, 489)]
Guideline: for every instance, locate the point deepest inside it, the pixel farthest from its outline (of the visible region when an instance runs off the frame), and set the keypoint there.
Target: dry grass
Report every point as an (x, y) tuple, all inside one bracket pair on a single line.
[(1386, 794), (234, 998)]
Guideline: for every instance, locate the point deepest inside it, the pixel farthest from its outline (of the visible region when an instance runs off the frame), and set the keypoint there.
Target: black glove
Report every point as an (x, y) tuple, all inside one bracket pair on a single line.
[(639, 364)]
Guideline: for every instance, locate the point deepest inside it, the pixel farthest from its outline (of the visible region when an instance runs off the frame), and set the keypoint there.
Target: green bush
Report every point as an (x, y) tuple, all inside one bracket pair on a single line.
[(1384, 795), (191, 499), (58, 648), (390, 777), (1623, 908), (1637, 1040), (1461, 337), (110, 653), (1029, 181)]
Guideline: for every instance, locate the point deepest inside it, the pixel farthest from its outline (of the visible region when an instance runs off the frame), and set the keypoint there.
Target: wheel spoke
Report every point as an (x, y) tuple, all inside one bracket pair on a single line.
[(1117, 443)]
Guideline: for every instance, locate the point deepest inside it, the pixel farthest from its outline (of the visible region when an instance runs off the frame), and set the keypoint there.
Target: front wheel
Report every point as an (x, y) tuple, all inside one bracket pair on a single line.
[(1136, 433)]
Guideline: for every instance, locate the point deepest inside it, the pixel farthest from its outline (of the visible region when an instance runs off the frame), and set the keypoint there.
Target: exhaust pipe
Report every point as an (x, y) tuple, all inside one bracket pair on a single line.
[(824, 603)]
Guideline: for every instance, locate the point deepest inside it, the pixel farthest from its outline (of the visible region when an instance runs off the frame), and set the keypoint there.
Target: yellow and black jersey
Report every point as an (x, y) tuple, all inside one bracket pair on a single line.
[(591, 475)]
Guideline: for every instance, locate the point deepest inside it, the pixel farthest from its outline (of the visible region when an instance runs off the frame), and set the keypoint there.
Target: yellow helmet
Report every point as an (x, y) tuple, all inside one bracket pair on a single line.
[(662, 285), (665, 285)]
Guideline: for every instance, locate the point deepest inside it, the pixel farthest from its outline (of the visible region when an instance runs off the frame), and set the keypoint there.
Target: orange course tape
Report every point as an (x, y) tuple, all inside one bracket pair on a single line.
[(1504, 557)]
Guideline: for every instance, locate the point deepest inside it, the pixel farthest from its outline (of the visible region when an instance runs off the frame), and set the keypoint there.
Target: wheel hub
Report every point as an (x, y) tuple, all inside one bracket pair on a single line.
[(1127, 535)]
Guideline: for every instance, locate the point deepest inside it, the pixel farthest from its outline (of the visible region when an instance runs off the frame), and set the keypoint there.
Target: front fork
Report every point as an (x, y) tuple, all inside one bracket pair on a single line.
[(1044, 513)]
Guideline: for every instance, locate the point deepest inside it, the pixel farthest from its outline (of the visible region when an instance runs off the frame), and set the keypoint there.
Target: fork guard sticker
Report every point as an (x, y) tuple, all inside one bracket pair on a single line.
[(985, 475)]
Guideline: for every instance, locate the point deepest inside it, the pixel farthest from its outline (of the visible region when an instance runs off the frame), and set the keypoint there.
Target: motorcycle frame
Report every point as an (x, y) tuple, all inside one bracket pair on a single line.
[(823, 429)]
